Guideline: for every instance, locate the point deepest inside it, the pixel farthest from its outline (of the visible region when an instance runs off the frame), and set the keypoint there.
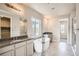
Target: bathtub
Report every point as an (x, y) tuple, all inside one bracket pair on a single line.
[(41, 44)]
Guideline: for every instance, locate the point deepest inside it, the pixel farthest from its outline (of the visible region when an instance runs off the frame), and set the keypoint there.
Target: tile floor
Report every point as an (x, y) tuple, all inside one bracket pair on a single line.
[(58, 49)]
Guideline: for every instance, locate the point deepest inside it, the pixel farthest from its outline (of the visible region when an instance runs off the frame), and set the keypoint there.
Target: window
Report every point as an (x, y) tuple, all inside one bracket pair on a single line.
[(33, 26), (62, 28), (36, 27)]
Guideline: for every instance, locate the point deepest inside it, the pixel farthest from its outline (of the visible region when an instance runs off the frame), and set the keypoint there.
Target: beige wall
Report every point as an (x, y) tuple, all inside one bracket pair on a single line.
[(29, 12), (15, 26), (15, 30), (15, 16), (52, 25)]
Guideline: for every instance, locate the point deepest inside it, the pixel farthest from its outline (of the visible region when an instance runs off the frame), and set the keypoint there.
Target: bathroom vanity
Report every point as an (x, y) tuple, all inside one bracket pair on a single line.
[(16, 46)]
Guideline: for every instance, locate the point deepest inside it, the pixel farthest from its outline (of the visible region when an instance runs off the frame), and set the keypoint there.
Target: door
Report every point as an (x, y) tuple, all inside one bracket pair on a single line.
[(77, 29), (74, 33), (63, 29)]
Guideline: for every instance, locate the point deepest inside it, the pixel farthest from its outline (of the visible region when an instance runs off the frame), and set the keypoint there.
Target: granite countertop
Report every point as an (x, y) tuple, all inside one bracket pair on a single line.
[(14, 40)]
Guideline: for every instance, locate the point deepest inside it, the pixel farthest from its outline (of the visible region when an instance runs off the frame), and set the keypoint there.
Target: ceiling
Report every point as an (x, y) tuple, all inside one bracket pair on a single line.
[(53, 9)]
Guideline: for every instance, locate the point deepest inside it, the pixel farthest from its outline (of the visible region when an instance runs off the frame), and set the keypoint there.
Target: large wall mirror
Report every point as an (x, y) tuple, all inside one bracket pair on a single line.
[(23, 26)]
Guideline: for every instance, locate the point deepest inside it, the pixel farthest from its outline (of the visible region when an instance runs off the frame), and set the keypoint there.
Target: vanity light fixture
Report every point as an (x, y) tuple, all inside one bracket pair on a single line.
[(11, 6)]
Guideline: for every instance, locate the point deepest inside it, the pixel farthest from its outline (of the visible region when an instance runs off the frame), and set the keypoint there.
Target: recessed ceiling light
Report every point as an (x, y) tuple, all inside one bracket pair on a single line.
[(53, 8)]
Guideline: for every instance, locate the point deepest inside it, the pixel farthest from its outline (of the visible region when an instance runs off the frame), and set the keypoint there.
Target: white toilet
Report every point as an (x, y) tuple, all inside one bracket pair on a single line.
[(39, 47)]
